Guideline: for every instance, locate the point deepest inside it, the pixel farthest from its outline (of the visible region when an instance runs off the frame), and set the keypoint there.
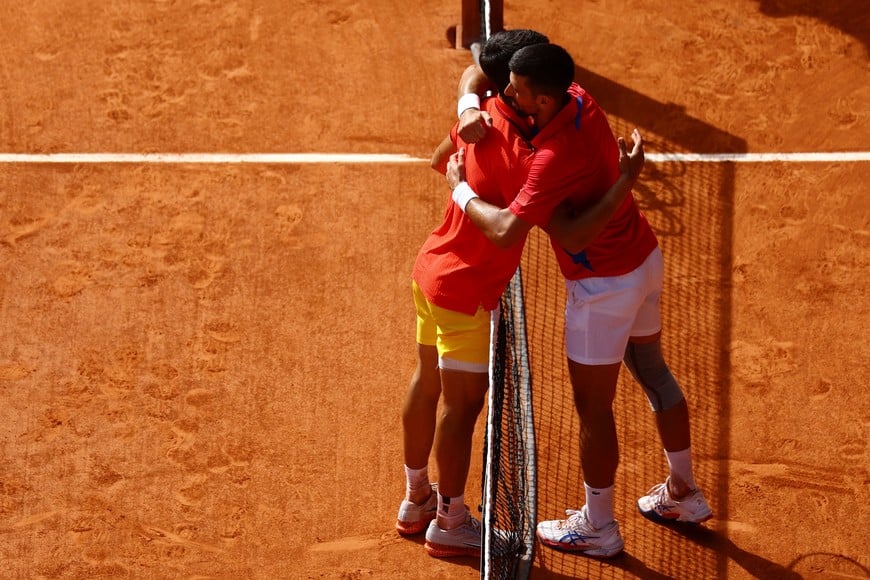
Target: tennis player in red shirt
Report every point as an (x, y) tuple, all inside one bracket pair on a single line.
[(458, 278), (614, 285)]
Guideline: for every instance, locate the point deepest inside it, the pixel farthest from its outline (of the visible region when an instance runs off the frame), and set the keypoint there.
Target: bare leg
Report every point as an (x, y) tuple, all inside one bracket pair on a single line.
[(594, 391), (463, 397), (673, 427), (419, 410)]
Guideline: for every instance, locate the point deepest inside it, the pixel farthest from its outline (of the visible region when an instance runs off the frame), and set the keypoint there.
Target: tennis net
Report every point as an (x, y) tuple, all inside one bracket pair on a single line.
[(509, 489), (509, 497)]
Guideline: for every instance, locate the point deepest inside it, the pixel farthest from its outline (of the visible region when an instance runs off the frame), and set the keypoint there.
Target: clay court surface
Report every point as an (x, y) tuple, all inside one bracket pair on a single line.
[(202, 365)]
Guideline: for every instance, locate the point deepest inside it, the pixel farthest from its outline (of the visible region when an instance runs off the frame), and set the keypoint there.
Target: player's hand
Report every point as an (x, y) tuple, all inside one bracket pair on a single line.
[(631, 163), (456, 168), (473, 125)]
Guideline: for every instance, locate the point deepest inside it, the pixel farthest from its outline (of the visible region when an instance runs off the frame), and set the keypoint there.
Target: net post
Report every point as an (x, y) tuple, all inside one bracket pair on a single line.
[(496, 16), (480, 20), (469, 29)]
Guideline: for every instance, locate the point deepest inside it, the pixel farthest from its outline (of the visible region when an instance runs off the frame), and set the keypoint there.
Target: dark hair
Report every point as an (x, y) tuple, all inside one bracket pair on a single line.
[(548, 68), (495, 56)]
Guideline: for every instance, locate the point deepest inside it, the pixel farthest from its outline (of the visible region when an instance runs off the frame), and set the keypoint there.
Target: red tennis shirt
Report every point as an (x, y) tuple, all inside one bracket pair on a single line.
[(577, 158), (458, 268)]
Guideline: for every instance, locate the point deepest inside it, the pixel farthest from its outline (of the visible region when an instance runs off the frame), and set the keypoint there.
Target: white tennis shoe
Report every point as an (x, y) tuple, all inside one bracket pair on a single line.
[(658, 505), (576, 534), (461, 541), (414, 518)]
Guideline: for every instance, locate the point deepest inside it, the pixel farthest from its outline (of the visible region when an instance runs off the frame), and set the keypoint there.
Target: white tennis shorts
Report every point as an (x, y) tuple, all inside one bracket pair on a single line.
[(602, 313)]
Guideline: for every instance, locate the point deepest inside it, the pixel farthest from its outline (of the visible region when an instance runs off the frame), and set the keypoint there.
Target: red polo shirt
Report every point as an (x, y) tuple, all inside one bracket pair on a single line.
[(458, 268), (577, 158)]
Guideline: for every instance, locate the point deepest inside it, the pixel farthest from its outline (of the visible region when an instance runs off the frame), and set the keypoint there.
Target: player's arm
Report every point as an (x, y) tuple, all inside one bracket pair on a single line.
[(499, 225), (442, 153), (575, 230), (473, 122)]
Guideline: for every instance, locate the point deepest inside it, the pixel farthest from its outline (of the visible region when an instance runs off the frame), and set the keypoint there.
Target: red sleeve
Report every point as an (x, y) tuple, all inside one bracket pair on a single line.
[(555, 175), (531, 204)]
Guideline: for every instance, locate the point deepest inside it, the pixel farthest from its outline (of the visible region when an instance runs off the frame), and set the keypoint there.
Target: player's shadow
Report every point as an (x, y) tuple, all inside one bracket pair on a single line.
[(717, 542), (755, 565), (682, 130), (623, 561), (834, 564), (850, 16)]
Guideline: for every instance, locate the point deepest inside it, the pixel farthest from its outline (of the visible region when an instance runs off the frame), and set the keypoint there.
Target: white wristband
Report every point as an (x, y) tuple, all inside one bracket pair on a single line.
[(462, 194), (467, 101)]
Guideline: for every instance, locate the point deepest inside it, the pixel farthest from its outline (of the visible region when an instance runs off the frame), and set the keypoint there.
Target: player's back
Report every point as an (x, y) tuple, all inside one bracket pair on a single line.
[(458, 267)]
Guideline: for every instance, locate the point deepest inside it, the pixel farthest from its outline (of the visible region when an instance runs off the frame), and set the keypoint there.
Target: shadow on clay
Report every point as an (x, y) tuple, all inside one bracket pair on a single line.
[(850, 16)]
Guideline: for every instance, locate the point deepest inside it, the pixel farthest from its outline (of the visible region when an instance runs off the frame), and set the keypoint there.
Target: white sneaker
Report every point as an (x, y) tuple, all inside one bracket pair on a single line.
[(660, 507), (576, 534), (461, 541), (414, 518)]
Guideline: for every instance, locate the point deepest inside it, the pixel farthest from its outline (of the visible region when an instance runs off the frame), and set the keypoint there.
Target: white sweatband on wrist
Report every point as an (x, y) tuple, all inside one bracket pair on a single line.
[(467, 101), (462, 194)]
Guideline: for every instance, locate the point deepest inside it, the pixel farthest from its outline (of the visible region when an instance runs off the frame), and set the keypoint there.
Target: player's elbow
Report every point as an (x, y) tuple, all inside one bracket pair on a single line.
[(438, 164), (505, 238), (511, 230), (500, 241)]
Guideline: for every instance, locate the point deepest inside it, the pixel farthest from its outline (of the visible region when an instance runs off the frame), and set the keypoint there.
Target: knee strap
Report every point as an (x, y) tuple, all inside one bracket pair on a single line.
[(648, 367)]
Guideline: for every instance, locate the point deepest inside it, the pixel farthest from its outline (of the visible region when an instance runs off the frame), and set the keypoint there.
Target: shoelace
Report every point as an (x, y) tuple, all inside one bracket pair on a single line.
[(575, 519), (663, 498), (475, 525)]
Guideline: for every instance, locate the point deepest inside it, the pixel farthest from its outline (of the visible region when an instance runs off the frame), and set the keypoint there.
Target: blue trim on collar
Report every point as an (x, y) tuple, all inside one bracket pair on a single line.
[(579, 112)]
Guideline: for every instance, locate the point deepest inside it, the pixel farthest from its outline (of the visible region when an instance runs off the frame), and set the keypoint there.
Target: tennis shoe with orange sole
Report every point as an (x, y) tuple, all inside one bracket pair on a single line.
[(413, 518), (460, 541)]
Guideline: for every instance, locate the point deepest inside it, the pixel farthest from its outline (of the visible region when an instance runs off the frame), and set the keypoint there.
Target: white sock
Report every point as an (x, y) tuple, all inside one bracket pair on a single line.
[(415, 479), (599, 505), (680, 463), (451, 511)]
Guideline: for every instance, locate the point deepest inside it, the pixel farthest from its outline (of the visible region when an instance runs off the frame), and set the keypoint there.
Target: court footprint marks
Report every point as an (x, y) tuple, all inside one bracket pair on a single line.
[(71, 279), (181, 451), (28, 212), (292, 229), (180, 537), (18, 229), (755, 364), (183, 247), (213, 462), (138, 68), (820, 488), (287, 219), (204, 456), (153, 78), (206, 262), (821, 391), (854, 448), (14, 371), (213, 346)]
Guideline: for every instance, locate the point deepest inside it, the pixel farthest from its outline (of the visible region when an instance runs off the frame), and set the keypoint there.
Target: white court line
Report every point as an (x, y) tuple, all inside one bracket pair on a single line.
[(305, 158), (269, 158), (844, 156)]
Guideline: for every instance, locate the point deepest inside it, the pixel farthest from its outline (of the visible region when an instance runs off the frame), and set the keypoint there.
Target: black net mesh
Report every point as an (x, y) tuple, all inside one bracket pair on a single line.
[(509, 495)]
